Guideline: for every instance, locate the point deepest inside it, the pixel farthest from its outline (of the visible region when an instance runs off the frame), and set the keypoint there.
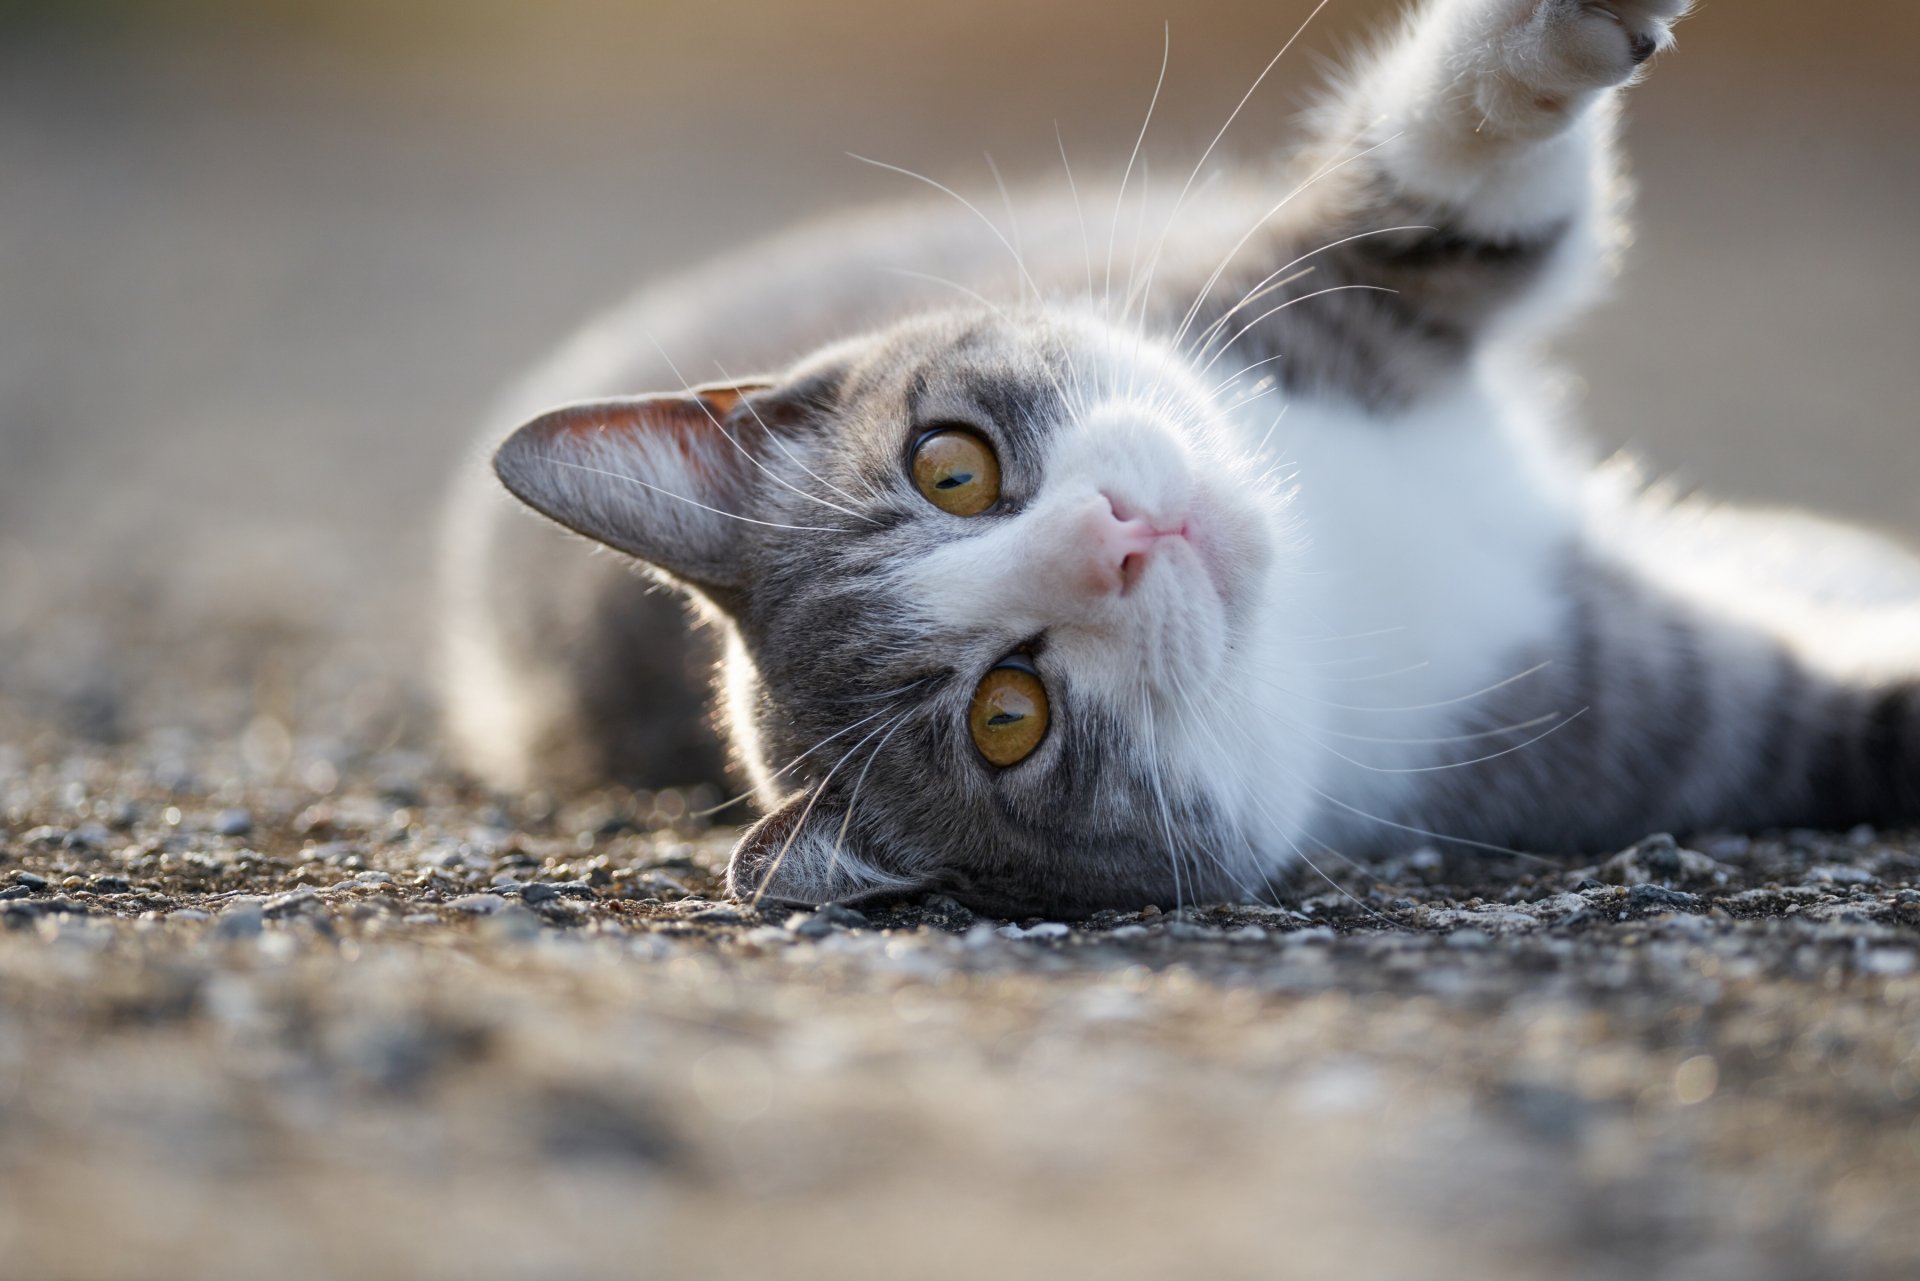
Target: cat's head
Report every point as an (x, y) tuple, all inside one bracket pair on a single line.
[(986, 581)]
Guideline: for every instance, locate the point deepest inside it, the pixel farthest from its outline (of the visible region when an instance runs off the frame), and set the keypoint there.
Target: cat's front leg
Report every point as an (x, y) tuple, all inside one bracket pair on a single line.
[(1463, 176)]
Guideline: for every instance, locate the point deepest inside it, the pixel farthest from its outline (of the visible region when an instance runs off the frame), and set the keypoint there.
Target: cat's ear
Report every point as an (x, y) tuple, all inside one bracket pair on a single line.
[(799, 854), (658, 477)]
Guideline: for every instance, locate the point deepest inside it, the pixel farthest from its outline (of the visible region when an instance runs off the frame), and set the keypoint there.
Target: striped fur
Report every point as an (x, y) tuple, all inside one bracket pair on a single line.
[(1407, 608)]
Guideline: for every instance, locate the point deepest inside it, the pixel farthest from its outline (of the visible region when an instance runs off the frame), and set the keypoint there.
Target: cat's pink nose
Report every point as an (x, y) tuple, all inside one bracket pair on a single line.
[(1118, 544)]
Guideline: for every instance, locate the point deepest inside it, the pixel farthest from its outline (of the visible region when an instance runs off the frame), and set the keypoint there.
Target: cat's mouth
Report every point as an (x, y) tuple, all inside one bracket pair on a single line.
[(1208, 554), (1133, 544), (1150, 544)]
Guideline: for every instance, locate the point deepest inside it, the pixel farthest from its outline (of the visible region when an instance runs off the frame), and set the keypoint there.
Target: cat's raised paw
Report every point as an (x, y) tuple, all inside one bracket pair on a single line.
[(1568, 45)]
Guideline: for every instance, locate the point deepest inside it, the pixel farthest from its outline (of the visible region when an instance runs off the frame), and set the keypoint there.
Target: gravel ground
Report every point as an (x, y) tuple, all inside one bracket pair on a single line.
[(274, 1004)]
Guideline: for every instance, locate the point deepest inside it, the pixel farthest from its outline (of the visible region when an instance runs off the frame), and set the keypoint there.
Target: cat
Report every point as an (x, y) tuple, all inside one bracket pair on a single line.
[(1118, 568)]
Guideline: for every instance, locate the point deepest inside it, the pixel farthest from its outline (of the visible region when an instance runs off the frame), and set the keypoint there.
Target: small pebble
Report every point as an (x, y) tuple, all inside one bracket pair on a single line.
[(1659, 898), (88, 836), (292, 903), (479, 904), (233, 822), (1044, 930), (512, 924), (240, 919), (809, 925)]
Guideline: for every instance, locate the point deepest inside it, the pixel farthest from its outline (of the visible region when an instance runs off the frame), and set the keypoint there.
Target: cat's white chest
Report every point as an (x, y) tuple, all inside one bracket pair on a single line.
[(1432, 562)]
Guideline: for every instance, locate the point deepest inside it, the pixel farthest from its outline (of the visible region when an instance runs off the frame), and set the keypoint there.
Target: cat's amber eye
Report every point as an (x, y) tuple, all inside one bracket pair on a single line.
[(1009, 714), (957, 472)]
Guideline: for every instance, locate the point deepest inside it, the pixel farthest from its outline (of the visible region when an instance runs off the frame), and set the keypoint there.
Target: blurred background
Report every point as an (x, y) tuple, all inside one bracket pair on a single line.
[(264, 263)]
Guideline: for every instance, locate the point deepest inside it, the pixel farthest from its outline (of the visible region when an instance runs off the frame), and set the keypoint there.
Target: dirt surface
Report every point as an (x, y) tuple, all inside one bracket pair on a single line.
[(294, 1008)]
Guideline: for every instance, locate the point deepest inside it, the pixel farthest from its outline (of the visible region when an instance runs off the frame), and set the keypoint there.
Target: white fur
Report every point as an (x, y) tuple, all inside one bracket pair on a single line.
[(1435, 543)]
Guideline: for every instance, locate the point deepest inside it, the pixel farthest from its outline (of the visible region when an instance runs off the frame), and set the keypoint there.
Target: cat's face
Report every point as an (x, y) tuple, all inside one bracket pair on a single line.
[(986, 579)]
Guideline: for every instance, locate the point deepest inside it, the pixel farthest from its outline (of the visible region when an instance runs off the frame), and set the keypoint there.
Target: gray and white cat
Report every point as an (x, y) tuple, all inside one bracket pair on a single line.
[(1069, 587)]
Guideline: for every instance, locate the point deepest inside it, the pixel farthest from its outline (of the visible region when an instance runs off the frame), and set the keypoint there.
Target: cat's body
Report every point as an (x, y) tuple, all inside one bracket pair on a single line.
[(1407, 608)]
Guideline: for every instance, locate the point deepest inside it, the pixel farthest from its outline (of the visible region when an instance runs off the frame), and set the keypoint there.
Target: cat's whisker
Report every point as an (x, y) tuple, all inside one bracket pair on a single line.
[(1535, 670), (1319, 175), (1205, 337), (1255, 456), (1242, 372), (1559, 725), (1206, 726), (1001, 313), (1378, 632), (1409, 828), (795, 763), (1180, 201), (998, 311), (1225, 718), (1079, 214), (1113, 232), (1369, 678), (813, 800), (1013, 221), (1291, 302), (1441, 740), (1346, 660), (1244, 401), (667, 493), (781, 445), (891, 727), (1389, 823), (773, 868), (1018, 261), (1133, 254), (1274, 281), (1159, 793)]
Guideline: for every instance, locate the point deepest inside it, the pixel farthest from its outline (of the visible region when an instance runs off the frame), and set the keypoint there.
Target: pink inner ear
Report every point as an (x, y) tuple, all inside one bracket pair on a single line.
[(690, 420), (722, 400)]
